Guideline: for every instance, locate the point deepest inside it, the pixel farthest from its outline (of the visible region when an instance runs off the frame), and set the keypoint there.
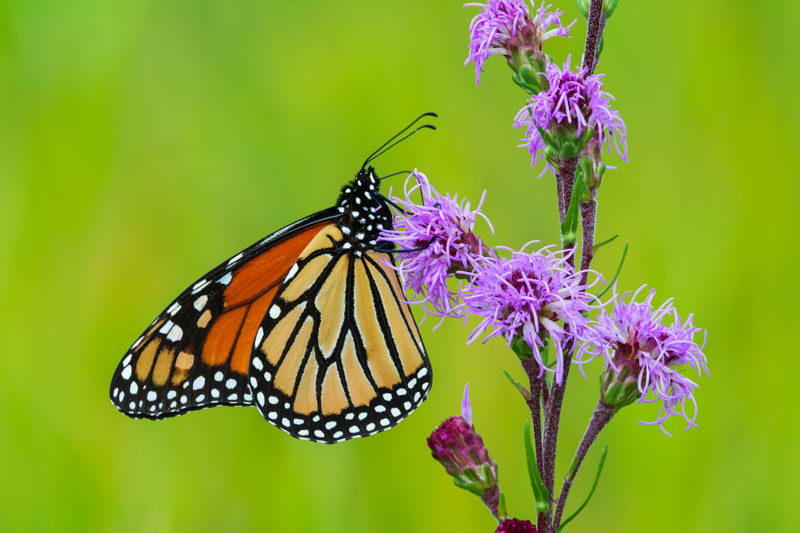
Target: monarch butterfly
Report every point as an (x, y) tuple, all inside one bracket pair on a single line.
[(309, 325)]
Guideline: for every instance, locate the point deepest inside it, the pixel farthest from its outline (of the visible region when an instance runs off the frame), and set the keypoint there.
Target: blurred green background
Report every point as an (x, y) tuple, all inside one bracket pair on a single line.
[(143, 142)]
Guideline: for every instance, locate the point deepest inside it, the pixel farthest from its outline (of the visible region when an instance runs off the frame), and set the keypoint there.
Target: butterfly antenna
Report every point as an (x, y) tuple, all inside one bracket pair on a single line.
[(386, 146), (390, 202), (395, 174)]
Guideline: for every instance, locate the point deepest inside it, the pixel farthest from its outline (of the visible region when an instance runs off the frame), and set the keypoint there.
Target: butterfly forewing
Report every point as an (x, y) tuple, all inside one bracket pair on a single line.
[(338, 354), (196, 353)]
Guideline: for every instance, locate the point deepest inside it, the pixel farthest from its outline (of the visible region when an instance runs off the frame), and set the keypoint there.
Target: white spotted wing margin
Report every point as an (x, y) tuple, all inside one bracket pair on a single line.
[(170, 370), (338, 356)]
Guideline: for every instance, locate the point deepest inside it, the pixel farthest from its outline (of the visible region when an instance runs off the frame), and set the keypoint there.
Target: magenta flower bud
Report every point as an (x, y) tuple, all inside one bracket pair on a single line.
[(515, 525), (461, 451)]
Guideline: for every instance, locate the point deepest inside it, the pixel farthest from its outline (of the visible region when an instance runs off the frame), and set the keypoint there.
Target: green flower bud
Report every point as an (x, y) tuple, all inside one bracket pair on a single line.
[(619, 390), (591, 164), (608, 7)]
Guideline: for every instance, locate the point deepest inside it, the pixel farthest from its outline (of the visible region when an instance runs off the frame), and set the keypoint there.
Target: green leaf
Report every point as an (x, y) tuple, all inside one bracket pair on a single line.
[(502, 513), (591, 492), (540, 493), (569, 227), (601, 244), (519, 386), (616, 274)]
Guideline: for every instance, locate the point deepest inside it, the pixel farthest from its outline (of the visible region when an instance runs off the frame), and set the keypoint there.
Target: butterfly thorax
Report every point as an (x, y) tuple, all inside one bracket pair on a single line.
[(364, 211)]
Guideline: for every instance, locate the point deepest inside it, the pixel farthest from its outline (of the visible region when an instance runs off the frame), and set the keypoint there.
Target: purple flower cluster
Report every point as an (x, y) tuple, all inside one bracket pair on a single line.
[(573, 103), (501, 20), (436, 241), (535, 296), (634, 334)]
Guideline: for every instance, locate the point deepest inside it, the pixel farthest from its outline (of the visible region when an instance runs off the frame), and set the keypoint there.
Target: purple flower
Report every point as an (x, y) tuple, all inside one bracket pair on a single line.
[(515, 525), (573, 104), (457, 446), (436, 241), (526, 296), (640, 348), (502, 20)]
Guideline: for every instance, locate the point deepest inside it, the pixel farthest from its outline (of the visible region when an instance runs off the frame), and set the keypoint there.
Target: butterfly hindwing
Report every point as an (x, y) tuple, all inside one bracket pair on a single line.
[(338, 354), (196, 354)]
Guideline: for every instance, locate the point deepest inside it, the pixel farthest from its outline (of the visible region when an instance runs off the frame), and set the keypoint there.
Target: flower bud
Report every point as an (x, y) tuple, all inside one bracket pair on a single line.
[(527, 65), (608, 7), (514, 525), (457, 446), (620, 389), (591, 164)]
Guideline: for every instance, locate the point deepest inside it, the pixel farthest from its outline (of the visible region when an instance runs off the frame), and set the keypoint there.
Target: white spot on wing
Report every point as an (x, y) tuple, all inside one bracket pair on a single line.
[(226, 279), (200, 303), (175, 334), (234, 259), (200, 285), (292, 272), (274, 312)]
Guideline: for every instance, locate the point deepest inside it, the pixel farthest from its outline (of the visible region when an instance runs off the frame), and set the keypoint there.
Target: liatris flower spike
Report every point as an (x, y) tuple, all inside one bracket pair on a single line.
[(558, 122), (505, 27), (643, 356), (514, 525), (457, 446), (524, 297), (436, 241)]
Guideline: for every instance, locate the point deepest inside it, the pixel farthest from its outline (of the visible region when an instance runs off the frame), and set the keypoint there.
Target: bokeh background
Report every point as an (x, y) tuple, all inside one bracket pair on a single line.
[(142, 142)]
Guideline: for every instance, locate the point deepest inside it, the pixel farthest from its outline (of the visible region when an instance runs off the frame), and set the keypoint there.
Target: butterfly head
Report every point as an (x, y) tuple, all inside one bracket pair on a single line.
[(364, 210)]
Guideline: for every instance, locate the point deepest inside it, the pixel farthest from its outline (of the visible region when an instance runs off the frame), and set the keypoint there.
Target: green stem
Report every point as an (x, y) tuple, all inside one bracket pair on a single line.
[(601, 416)]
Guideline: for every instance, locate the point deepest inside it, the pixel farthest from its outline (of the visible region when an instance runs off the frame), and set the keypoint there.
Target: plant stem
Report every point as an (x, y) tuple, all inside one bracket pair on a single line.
[(534, 404), (601, 416), (565, 180), (552, 416), (588, 222), (594, 32), (491, 498)]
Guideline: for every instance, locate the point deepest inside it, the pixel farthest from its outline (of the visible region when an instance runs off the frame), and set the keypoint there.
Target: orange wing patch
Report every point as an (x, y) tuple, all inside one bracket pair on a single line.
[(197, 352)]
